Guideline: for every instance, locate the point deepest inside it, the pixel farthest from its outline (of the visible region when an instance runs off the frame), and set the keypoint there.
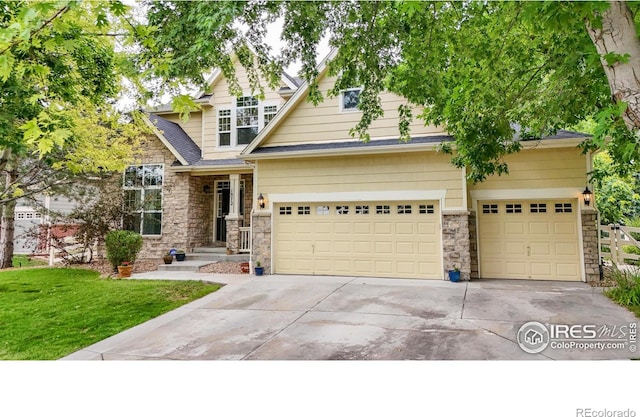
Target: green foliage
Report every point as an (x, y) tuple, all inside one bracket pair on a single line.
[(47, 313), (617, 197), (122, 246), (627, 290), (476, 68)]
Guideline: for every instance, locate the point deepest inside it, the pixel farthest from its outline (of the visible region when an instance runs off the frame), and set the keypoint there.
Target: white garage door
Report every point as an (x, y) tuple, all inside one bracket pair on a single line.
[(529, 240), (377, 239)]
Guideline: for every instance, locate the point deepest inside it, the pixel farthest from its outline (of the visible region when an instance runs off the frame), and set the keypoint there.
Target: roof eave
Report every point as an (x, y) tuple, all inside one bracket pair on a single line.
[(165, 142), (404, 147)]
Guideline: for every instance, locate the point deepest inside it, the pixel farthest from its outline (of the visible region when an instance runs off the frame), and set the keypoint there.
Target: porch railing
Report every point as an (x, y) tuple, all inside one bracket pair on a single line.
[(614, 238), (245, 240)]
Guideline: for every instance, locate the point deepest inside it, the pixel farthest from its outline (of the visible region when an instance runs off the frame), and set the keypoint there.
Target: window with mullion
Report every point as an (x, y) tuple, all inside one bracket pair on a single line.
[(224, 127), (247, 121), (143, 199), (240, 124)]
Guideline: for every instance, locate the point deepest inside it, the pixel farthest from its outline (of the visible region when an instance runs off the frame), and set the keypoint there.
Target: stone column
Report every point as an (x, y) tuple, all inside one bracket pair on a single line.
[(233, 234), (590, 244), (261, 239), (455, 242)]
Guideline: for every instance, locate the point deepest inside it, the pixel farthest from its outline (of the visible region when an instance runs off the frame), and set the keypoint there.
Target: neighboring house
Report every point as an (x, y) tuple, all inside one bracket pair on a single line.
[(334, 205), (29, 220)]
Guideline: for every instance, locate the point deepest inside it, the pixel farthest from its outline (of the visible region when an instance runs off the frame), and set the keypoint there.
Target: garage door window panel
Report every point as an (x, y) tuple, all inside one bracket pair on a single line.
[(490, 209)]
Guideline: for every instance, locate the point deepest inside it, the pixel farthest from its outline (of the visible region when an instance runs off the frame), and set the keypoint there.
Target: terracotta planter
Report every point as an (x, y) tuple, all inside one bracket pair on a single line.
[(125, 271), (244, 267), (167, 259)]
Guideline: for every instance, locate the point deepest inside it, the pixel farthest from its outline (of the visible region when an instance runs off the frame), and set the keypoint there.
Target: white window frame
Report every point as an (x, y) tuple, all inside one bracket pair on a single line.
[(233, 140), (143, 189), (356, 109)]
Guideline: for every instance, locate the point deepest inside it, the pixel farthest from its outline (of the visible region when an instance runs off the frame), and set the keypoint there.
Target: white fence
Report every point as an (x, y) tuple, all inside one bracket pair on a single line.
[(245, 239), (613, 239)]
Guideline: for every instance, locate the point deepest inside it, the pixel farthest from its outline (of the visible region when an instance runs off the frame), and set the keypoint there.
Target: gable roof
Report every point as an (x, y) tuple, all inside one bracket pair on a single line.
[(175, 139), (292, 82), (300, 93)]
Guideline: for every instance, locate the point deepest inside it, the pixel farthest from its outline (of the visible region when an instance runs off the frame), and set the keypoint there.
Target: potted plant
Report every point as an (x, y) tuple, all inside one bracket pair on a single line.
[(122, 247), (180, 255), (454, 274), (259, 269), (125, 269), (167, 258)]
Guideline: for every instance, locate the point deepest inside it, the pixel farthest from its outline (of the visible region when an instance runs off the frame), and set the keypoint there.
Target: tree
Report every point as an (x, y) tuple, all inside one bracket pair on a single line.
[(59, 74), (617, 196), (478, 68)]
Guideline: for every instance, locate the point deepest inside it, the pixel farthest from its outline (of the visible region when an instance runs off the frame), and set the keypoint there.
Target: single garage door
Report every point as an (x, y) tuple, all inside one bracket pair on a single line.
[(377, 239), (529, 240)]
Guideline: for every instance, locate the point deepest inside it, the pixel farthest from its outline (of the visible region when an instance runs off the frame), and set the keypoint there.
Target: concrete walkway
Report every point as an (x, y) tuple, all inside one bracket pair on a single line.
[(313, 317)]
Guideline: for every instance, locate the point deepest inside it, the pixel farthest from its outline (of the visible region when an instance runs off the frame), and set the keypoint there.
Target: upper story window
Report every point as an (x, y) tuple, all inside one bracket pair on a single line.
[(143, 199), (349, 99), (240, 124)]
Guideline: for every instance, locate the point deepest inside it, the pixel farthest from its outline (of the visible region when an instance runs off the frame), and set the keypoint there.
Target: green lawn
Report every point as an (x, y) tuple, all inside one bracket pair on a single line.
[(48, 313), (21, 261)]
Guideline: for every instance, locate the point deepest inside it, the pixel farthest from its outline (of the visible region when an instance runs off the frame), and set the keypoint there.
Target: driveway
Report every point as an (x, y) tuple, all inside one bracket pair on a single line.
[(310, 317)]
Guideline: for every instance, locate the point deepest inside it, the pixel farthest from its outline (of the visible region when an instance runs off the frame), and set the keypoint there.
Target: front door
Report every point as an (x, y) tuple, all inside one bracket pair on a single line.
[(222, 209)]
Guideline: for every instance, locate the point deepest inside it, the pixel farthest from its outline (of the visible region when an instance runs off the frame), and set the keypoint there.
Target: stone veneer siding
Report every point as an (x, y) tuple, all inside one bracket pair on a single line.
[(473, 245), (186, 210), (590, 245), (261, 239), (456, 243)]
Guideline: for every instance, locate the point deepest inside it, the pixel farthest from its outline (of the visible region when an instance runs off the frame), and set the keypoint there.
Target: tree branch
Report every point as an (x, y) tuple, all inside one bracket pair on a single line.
[(35, 32)]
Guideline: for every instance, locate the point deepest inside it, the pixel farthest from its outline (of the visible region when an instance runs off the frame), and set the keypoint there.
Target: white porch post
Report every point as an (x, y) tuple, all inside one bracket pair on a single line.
[(234, 197), (233, 218)]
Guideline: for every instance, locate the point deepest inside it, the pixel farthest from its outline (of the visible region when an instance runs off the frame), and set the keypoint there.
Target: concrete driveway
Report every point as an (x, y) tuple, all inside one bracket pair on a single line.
[(306, 317)]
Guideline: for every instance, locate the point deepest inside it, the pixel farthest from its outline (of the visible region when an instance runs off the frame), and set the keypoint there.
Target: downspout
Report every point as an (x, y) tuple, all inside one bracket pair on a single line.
[(253, 208)]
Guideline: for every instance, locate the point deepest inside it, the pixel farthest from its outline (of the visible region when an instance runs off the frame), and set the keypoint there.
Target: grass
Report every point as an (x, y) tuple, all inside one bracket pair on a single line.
[(627, 289), (21, 261), (47, 313)]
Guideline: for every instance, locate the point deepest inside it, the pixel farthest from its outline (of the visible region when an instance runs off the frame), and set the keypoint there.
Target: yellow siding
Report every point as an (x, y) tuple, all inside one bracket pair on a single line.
[(222, 98), (540, 168), (406, 171), (192, 127), (308, 123)]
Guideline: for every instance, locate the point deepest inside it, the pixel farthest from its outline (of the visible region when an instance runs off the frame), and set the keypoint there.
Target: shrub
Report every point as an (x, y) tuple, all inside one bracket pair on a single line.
[(627, 290), (122, 246), (632, 250)]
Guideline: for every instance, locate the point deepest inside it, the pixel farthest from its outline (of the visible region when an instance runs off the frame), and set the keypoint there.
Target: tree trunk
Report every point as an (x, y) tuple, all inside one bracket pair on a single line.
[(618, 36), (7, 221)]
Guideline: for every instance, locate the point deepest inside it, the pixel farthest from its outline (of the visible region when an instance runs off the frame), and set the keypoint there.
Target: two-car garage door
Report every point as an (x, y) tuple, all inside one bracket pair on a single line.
[(377, 239), (529, 240)]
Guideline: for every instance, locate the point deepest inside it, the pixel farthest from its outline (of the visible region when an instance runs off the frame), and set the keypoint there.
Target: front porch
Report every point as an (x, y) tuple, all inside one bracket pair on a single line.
[(225, 204)]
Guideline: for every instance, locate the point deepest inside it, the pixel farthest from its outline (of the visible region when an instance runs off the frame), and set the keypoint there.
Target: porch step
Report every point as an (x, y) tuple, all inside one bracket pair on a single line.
[(186, 265), (216, 257), (210, 249)]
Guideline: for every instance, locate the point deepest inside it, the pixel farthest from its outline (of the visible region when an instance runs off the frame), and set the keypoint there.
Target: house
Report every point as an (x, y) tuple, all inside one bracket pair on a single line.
[(30, 220), (288, 178)]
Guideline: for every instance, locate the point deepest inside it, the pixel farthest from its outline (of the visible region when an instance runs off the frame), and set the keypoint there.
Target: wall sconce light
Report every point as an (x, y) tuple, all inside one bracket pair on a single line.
[(586, 195), (261, 201), (206, 188)]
